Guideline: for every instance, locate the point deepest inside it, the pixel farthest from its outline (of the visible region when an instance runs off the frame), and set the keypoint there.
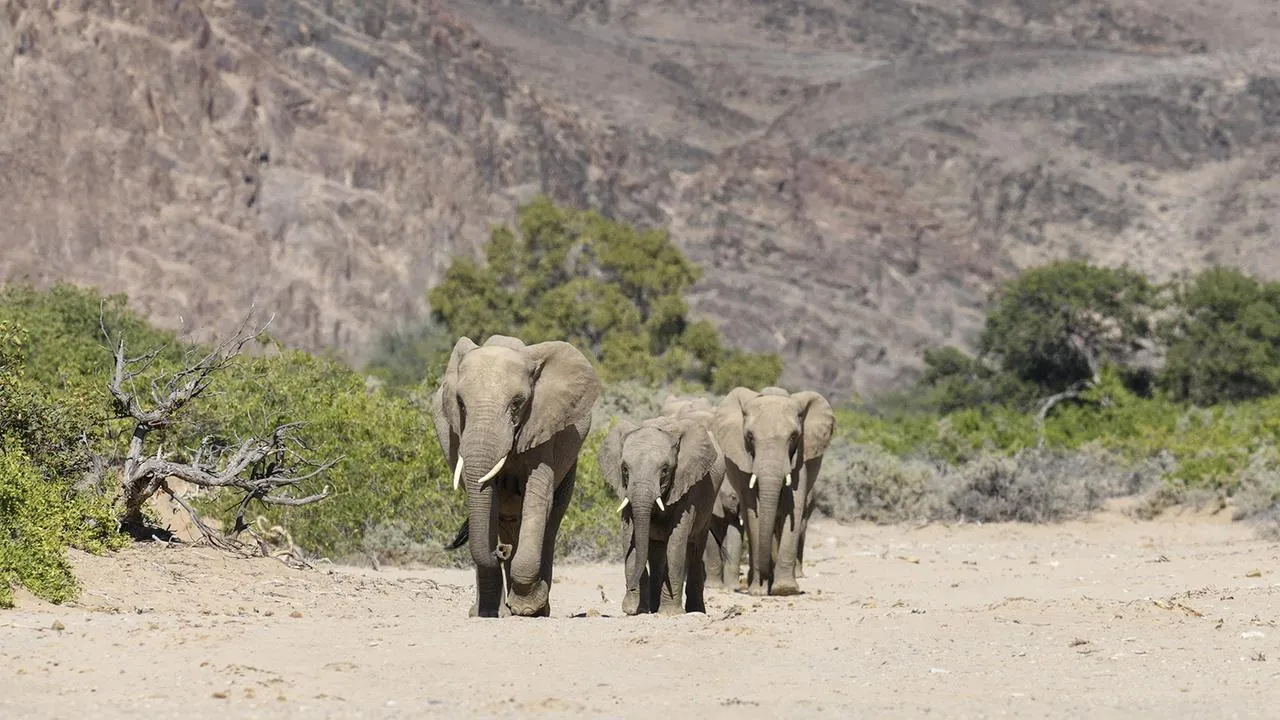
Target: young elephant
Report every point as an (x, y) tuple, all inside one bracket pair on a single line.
[(667, 471), (722, 558), (773, 443)]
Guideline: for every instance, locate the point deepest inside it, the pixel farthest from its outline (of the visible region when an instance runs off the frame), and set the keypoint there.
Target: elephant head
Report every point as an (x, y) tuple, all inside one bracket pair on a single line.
[(769, 435), (499, 401), (652, 467)]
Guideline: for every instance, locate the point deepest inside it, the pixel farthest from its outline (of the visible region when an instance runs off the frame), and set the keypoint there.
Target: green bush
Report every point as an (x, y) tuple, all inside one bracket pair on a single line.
[(614, 291), (42, 460)]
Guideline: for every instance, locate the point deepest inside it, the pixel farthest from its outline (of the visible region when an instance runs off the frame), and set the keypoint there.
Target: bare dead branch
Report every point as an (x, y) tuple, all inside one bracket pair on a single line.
[(262, 469)]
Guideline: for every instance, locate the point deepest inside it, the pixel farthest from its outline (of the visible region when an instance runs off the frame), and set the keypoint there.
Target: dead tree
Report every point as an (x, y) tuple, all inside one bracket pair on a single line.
[(261, 469)]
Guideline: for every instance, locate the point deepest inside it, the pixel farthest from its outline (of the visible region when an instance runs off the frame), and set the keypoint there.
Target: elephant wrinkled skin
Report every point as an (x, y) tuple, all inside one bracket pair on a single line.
[(511, 419), (667, 470), (773, 442)]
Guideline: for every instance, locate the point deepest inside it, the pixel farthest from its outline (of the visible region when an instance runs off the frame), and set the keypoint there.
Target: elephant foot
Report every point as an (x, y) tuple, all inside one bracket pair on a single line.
[(530, 601), (714, 583), (670, 608), (503, 610), (757, 589), (785, 587), (631, 603)]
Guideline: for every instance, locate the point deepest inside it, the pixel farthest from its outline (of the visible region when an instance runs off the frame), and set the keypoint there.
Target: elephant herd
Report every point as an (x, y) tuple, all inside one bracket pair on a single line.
[(511, 419)]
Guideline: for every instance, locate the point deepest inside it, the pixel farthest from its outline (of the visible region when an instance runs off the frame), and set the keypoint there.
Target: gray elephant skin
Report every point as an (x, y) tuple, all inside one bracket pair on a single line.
[(511, 419), (722, 557), (667, 470), (773, 442)]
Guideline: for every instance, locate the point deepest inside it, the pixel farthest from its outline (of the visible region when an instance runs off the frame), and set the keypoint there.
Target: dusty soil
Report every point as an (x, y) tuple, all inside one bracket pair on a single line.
[(1104, 618)]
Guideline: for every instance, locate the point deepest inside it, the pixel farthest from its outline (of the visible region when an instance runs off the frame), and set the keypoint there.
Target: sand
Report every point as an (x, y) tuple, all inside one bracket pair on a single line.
[(1109, 617)]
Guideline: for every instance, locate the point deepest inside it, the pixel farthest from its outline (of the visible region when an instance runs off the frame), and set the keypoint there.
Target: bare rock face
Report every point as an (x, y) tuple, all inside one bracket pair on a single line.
[(854, 177), (322, 162)]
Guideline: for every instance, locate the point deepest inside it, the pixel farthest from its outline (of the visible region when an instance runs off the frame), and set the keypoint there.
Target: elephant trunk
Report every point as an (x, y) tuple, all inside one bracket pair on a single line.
[(641, 514), (769, 491), (482, 454)]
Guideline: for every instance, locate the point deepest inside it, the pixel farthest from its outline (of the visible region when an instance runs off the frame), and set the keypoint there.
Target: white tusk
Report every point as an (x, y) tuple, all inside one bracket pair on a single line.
[(490, 475), (661, 507), (752, 483), (625, 502), (788, 479), (457, 473)]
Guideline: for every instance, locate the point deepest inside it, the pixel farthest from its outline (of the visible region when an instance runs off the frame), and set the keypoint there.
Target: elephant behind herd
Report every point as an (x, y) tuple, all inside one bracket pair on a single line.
[(511, 419)]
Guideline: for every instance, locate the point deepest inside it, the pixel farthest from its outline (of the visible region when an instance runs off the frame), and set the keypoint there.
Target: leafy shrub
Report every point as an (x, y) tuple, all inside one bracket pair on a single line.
[(41, 461), (610, 289)]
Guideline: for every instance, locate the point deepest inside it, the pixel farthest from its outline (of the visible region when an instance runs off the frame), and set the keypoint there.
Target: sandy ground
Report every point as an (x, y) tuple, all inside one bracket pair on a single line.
[(1104, 618)]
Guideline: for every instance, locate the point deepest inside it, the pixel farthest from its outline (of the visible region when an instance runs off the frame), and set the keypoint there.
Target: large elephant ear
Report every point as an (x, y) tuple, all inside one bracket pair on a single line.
[(610, 456), (565, 386), (819, 422), (728, 427), (696, 456), (445, 435), (448, 389)]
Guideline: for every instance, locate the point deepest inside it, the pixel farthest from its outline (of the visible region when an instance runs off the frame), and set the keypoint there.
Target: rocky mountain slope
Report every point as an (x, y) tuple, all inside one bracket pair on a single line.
[(853, 176)]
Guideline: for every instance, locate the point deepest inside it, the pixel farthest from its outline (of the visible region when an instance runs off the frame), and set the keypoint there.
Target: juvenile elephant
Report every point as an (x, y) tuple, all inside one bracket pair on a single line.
[(667, 471), (511, 419), (722, 557), (773, 443)]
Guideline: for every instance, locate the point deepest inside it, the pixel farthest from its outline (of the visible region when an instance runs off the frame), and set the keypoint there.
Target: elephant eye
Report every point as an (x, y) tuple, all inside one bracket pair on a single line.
[(750, 442), (626, 475)]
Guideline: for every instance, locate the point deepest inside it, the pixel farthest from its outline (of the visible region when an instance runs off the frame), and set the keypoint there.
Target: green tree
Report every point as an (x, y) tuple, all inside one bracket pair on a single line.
[(1224, 341), (613, 290), (953, 380), (1056, 326)]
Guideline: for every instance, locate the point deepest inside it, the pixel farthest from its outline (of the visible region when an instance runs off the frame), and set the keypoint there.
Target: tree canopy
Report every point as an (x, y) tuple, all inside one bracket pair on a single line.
[(1055, 326), (1224, 343), (613, 290)]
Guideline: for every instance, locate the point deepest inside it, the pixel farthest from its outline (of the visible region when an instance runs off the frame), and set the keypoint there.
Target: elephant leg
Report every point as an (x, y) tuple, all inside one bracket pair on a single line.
[(657, 574), (677, 565), (800, 550), (559, 506), (529, 594), (732, 555), (696, 573), (756, 585), (785, 543), (714, 555), (811, 468)]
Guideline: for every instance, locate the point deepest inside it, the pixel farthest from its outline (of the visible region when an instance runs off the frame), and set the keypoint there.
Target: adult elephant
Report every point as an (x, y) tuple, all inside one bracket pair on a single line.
[(511, 419), (773, 443)]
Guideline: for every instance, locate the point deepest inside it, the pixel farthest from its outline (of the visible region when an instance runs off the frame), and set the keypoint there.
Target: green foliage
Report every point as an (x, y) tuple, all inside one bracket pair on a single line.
[(953, 380), (41, 458), (592, 529), (66, 346), (1224, 343), (391, 466), (614, 291), (1054, 325)]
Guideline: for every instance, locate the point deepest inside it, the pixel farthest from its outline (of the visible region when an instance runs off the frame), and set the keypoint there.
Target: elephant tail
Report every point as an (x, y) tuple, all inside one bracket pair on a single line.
[(464, 534)]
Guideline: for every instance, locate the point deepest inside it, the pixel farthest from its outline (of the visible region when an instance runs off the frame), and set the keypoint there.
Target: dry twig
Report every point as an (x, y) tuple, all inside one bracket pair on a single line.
[(263, 469)]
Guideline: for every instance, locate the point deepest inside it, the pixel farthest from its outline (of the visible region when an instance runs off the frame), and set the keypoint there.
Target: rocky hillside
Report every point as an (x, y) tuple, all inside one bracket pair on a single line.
[(853, 176)]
